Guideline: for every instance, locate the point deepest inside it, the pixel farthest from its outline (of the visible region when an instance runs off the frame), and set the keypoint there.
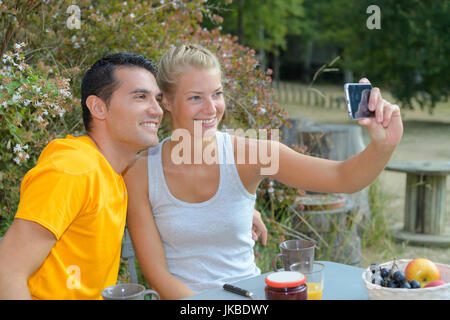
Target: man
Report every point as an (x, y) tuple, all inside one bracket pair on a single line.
[(65, 240)]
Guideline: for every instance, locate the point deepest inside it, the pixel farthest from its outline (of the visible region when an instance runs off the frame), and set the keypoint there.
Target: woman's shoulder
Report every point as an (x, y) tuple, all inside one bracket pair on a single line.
[(137, 167), (244, 140)]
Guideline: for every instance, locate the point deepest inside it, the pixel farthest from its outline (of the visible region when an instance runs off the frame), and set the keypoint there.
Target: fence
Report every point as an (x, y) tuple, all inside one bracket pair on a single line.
[(286, 92)]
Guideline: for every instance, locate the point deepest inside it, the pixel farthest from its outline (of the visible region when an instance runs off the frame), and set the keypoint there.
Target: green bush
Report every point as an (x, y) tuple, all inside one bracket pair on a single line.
[(32, 102)]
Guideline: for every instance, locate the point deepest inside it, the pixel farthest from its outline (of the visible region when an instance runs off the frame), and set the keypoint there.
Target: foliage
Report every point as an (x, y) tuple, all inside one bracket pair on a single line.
[(262, 25), (29, 101), (408, 55)]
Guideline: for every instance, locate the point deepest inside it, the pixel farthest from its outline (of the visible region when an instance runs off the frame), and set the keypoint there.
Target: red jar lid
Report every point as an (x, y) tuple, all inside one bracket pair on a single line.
[(285, 279)]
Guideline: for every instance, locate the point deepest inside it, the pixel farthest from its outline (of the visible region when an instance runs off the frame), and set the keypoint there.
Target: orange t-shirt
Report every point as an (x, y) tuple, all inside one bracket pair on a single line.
[(74, 192)]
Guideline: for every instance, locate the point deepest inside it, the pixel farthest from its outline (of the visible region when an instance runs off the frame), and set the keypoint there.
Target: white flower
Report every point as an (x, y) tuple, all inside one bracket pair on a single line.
[(26, 102), (16, 97), (17, 160), (17, 148), (131, 15), (261, 110), (271, 190), (65, 93), (25, 147)]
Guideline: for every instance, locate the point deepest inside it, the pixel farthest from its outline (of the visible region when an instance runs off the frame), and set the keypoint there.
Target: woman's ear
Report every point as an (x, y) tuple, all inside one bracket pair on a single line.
[(97, 107), (166, 103)]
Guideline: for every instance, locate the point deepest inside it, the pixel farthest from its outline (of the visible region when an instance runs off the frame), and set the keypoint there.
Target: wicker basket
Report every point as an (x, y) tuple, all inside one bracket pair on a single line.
[(377, 292)]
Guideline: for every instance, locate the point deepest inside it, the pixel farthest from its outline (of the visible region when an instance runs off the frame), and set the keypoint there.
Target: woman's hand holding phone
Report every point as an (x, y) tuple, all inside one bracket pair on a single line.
[(386, 127)]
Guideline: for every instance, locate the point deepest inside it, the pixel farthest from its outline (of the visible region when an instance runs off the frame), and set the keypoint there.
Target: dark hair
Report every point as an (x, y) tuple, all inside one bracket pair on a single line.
[(99, 80)]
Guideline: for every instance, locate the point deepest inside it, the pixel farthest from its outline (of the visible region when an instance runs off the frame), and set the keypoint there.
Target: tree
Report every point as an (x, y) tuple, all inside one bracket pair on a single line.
[(262, 25), (408, 55)]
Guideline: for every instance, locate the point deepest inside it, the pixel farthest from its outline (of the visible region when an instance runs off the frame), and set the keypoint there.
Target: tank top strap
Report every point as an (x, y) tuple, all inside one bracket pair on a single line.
[(227, 149), (232, 180), (155, 173)]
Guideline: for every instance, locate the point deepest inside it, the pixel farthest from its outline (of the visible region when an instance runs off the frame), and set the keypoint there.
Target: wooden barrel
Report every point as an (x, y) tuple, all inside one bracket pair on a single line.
[(334, 231), (334, 142)]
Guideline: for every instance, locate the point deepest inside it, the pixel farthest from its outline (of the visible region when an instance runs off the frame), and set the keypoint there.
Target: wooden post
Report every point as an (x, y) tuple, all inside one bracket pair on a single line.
[(425, 204), (331, 101)]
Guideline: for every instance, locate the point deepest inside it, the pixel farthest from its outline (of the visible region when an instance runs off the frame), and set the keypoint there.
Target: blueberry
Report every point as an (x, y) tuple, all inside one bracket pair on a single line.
[(384, 273), (399, 277), (414, 284), (405, 284), (391, 283)]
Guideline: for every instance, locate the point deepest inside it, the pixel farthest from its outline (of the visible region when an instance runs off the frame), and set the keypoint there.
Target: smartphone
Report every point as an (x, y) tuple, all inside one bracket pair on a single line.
[(357, 95)]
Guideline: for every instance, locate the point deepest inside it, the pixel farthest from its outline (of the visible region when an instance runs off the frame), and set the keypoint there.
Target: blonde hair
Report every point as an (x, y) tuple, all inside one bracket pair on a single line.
[(179, 59)]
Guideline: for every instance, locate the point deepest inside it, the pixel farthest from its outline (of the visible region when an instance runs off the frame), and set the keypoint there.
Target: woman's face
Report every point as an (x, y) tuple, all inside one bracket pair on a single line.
[(198, 102)]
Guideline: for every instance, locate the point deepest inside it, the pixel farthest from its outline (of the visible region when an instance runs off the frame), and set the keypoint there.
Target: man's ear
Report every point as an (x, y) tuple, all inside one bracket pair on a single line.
[(97, 107)]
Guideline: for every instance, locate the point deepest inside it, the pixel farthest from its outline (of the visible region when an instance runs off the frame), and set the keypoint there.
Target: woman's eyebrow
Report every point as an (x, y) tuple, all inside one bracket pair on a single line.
[(200, 92)]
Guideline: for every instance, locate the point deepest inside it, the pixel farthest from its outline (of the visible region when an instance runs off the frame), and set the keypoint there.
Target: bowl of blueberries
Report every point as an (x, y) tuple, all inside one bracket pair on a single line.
[(387, 281)]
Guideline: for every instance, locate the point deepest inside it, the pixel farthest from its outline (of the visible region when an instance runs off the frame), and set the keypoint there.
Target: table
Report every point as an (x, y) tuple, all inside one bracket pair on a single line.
[(425, 201), (342, 282)]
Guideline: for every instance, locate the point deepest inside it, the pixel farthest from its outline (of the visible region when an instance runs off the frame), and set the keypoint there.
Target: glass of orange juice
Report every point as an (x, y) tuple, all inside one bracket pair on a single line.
[(314, 277)]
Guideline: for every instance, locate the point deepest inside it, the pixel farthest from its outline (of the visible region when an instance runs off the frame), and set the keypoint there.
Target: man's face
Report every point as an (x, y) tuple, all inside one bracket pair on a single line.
[(134, 113)]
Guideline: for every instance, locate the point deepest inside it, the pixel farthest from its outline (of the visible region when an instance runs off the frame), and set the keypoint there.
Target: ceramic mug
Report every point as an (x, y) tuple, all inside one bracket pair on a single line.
[(127, 291), (293, 251)]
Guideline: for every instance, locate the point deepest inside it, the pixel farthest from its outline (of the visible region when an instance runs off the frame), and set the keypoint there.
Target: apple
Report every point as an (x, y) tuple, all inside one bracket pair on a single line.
[(435, 283), (422, 270)]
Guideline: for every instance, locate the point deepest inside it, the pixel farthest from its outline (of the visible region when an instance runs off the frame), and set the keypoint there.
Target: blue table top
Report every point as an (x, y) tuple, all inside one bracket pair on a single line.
[(341, 282)]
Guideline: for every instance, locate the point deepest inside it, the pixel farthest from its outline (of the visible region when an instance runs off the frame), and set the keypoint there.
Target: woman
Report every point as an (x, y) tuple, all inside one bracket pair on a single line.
[(190, 220)]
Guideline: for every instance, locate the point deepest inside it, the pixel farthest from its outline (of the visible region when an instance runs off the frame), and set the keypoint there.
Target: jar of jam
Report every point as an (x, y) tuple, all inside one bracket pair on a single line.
[(286, 285)]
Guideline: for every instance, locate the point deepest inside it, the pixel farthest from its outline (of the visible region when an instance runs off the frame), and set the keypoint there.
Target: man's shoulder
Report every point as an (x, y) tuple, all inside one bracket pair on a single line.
[(71, 155)]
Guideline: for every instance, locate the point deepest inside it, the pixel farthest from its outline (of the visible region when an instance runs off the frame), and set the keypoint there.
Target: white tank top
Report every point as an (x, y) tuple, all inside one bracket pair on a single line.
[(209, 243)]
